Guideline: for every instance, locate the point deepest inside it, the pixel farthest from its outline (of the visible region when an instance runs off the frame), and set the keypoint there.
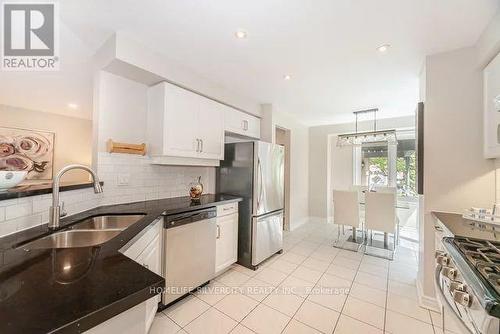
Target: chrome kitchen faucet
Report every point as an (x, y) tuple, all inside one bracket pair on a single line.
[(55, 209)]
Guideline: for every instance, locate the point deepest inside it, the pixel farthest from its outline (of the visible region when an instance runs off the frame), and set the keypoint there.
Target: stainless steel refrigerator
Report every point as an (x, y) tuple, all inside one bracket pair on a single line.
[(255, 171)]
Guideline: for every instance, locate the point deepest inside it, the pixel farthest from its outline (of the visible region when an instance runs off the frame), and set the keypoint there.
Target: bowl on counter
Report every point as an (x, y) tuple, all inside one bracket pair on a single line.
[(9, 179)]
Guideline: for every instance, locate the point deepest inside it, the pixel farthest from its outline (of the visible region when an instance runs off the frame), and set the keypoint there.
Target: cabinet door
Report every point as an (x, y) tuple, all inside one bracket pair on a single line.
[(180, 122), (150, 258), (131, 321), (241, 123), (252, 126), (232, 120), (226, 252), (492, 109), (211, 130)]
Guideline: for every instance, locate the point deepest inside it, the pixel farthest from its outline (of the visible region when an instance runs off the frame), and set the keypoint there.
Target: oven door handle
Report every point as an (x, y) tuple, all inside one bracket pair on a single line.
[(446, 307)]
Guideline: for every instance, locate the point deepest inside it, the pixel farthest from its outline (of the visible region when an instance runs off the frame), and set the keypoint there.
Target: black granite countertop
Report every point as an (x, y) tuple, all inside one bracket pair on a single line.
[(37, 295), (457, 226), (41, 189)]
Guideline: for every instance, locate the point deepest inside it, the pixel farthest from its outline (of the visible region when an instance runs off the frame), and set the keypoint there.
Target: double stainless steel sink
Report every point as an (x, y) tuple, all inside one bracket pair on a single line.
[(89, 232)]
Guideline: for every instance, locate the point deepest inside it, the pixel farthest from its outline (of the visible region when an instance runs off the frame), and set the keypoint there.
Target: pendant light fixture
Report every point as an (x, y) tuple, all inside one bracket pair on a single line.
[(360, 138)]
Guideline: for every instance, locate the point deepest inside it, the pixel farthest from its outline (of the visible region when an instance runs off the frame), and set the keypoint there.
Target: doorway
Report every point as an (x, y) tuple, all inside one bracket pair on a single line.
[(282, 137)]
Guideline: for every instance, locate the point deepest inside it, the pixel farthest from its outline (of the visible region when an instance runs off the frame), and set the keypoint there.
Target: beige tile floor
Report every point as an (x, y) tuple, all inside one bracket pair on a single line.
[(310, 288)]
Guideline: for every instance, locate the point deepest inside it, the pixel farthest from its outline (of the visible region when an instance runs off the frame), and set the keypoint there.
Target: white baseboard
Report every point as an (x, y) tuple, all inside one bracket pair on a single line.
[(430, 303), (310, 219), (298, 223), (317, 219)]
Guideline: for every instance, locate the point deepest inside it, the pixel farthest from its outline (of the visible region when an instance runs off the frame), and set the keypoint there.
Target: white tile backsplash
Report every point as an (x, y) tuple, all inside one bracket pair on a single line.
[(146, 182), (18, 210)]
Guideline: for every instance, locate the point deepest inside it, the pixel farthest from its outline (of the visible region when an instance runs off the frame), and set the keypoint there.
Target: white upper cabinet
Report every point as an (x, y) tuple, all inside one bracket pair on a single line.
[(241, 123), (211, 129), (180, 122), (183, 127), (492, 109)]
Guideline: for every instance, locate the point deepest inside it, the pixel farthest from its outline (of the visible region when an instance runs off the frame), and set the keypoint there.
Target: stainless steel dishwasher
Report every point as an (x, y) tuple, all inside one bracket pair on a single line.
[(189, 252)]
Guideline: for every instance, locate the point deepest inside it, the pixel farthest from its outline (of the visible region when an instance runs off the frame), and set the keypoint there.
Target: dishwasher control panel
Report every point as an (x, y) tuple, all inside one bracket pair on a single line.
[(189, 217)]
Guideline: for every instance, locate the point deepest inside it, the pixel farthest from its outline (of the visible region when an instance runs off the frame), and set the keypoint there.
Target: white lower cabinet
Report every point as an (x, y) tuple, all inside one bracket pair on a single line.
[(151, 259), (226, 247), (132, 321), (137, 320)]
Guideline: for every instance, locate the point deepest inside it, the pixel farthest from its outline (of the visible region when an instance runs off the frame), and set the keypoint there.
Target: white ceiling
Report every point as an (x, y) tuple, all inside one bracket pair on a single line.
[(327, 46), (53, 91)]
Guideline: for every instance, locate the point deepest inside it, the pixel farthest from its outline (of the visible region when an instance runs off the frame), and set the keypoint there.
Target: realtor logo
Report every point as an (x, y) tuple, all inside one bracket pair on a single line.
[(30, 37)]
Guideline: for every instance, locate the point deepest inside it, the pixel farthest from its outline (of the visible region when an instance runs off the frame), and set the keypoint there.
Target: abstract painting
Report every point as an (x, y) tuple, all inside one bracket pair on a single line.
[(27, 150)]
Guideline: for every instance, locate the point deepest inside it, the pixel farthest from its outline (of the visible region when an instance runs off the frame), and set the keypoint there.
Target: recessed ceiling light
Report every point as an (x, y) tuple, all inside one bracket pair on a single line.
[(240, 34), (287, 77), (72, 105), (383, 48)]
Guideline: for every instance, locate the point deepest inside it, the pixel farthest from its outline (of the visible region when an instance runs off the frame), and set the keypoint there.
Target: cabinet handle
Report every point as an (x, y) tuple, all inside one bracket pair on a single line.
[(201, 149), (218, 232), (197, 145), (245, 125)]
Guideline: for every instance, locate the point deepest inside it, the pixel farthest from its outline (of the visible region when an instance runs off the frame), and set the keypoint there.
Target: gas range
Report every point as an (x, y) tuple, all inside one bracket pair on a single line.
[(484, 256), (467, 283)]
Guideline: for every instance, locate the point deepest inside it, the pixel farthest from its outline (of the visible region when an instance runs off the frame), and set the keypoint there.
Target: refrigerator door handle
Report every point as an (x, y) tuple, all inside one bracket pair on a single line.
[(269, 214), (260, 185)]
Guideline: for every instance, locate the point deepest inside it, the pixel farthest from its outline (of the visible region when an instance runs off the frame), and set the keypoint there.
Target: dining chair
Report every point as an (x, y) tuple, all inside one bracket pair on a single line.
[(380, 215), (391, 190), (384, 189), (346, 213), (361, 191)]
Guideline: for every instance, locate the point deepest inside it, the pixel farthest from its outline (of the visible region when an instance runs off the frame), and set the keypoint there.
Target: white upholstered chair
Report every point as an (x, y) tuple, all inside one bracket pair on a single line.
[(379, 189), (346, 213), (361, 191), (380, 215)]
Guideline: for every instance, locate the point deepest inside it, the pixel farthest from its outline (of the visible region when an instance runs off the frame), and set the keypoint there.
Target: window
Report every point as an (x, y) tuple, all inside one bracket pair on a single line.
[(406, 170), (374, 165), (383, 165)]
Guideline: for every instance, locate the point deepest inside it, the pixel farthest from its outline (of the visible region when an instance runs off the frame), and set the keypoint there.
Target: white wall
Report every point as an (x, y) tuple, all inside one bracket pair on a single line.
[(299, 159), (456, 176), (320, 166), (121, 112), (299, 167), (73, 137), (341, 165)]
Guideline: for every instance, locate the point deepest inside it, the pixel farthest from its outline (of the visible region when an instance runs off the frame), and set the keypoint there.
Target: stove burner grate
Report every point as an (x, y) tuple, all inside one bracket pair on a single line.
[(484, 256)]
